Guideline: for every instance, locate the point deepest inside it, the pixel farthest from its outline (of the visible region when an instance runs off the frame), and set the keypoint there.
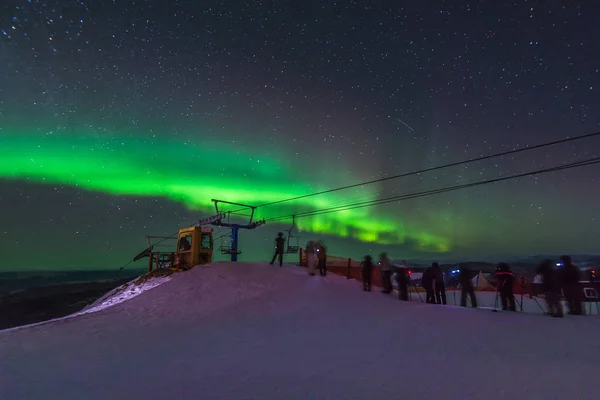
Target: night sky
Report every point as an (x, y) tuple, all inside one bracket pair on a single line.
[(122, 119)]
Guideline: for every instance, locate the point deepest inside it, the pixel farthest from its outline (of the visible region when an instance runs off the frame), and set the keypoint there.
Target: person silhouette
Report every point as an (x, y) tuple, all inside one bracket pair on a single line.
[(279, 244)]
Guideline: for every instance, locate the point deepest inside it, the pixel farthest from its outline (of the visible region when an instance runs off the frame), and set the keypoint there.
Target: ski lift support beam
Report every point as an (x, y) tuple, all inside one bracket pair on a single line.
[(235, 227), (252, 208), (211, 219)]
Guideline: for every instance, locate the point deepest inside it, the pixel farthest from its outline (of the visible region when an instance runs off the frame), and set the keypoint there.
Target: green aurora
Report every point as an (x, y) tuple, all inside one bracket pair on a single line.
[(193, 173)]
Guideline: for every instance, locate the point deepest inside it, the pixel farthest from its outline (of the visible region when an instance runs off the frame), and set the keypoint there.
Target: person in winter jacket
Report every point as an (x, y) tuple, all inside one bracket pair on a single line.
[(466, 287), (550, 287), (427, 281), (311, 257), (506, 281), (569, 278), (279, 243), (322, 258), (438, 284), (386, 273), (367, 273), (403, 279)]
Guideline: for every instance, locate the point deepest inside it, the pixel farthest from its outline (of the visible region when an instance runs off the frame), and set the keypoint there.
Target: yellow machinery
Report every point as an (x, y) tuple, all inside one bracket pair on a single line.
[(194, 246)]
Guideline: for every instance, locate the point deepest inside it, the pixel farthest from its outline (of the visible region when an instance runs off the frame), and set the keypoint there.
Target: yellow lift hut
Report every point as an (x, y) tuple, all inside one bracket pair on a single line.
[(193, 246)]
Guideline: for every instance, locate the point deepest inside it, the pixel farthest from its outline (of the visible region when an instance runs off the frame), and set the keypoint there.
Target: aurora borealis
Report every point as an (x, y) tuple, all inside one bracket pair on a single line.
[(117, 122), (163, 170)]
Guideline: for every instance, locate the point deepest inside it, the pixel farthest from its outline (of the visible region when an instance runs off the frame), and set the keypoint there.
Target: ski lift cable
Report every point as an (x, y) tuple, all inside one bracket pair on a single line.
[(578, 164), (435, 191), (454, 164)]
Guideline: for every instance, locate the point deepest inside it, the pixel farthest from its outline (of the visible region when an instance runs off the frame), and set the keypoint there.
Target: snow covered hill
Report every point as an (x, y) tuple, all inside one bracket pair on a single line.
[(253, 331)]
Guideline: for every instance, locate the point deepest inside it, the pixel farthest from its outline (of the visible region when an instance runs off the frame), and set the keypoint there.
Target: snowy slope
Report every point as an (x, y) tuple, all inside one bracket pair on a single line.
[(124, 293), (118, 295), (252, 331)]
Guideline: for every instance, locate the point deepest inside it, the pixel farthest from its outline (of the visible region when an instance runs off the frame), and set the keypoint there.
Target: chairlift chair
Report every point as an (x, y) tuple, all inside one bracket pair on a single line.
[(225, 247), (292, 248)]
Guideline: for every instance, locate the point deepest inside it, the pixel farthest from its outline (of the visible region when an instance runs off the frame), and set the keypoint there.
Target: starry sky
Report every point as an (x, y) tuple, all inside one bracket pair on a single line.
[(121, 119)]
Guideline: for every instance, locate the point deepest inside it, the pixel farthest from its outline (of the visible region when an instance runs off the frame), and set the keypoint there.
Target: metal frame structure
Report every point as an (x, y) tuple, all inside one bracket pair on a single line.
[(235, 227), (159, 258)]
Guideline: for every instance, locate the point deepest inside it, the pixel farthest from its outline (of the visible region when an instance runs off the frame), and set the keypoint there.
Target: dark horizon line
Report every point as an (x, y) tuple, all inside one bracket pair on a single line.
[(396, 260)]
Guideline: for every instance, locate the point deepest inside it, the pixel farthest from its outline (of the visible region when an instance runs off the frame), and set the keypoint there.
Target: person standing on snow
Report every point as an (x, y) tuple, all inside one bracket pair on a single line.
[(322, 257), (569, 276), (466, 287), (427, 282), (367, 273), (402, 278), (311, 257), (386, 273), (279, 244), (439, 285), (506, 282), (550, 288)]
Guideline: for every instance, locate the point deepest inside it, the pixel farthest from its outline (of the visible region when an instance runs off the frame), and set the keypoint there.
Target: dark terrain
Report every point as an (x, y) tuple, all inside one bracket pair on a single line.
[(27, 297)]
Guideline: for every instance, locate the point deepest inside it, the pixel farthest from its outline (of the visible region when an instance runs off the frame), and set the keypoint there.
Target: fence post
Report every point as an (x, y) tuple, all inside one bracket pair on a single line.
[(300, 259), (150, 258), (348, 270)]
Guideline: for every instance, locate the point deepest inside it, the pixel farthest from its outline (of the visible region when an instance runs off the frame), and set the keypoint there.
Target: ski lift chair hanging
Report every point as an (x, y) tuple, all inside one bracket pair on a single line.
[(292, 247), (226, 248)]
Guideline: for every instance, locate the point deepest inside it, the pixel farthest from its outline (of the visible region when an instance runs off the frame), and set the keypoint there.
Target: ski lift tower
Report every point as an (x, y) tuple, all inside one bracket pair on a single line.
[(236, 227)]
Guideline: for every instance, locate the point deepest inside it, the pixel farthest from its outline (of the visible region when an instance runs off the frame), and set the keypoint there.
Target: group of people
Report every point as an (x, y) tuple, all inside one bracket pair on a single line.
[(432, 281), (554, 281), (434, 285), (565, 279), (402, 277), (316, 254)]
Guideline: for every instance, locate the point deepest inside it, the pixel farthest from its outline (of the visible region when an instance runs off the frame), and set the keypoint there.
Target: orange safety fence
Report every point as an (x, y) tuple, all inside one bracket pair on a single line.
[(347, 267), (351, 269)]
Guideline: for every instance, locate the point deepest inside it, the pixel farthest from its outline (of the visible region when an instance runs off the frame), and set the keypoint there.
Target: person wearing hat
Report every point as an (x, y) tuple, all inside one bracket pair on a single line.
[(279, 244)]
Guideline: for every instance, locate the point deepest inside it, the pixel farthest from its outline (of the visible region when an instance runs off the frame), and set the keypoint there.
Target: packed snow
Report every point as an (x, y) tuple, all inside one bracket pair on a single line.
[(254, 331), (121, 294)]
